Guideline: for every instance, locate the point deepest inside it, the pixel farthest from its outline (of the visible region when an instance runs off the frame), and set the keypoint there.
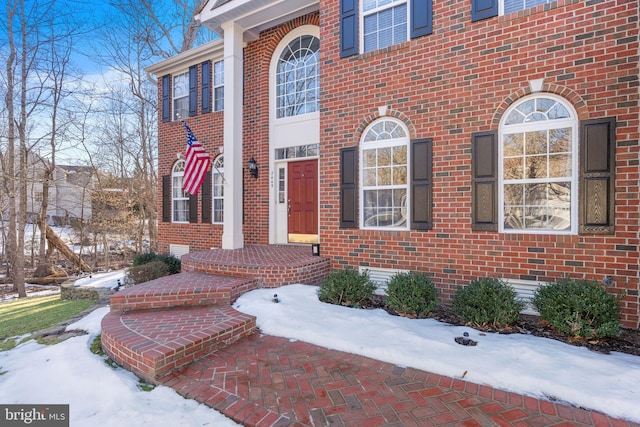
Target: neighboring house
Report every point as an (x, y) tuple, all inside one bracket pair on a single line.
[(70, 195), (464, 139), (69, 191)]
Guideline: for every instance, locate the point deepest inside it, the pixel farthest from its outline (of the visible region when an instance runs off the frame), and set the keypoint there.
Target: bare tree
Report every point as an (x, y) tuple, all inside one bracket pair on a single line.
[(170, 27), (34, 73)]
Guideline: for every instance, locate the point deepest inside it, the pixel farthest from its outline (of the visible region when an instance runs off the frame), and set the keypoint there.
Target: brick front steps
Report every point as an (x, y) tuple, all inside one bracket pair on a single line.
[(163, 325), (271, 265), (184, 289)]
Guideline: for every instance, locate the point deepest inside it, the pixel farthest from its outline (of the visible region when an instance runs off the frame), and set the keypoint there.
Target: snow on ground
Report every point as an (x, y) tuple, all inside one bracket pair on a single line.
[(97, 395), (67, 373), (524, 364)]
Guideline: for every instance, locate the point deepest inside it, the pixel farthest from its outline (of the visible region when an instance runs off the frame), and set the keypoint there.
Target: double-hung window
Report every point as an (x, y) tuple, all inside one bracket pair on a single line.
[(384, 160), (181, 96), (483, 9), (509, 6), (179, 198), (385, 23), (218, 190), (538, 171), (218, 86)]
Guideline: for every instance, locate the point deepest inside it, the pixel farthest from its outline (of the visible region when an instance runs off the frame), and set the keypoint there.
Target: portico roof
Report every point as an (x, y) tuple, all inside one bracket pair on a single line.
[(253, 16)]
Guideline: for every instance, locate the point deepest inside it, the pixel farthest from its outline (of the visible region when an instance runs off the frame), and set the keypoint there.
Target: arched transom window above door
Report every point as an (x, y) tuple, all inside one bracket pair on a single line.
[(297, 77)]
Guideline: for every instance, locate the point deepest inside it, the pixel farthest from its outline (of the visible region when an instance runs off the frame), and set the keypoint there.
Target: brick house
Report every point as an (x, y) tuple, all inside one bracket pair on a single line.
[(464, 139)]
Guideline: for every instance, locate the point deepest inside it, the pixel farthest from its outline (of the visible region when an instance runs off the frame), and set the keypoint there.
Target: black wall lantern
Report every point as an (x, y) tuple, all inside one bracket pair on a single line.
[(253, 167)]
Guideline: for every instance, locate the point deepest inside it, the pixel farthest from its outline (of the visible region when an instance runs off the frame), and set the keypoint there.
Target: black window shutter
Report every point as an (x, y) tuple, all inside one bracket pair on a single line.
[(349, 187), (166, 198), (421, 184), (484, 181), (421, 18), (193, 208), (483, 9), (193, 90), (166, 92), (597, 175), (348, 28), (206, 86), (206, 198)]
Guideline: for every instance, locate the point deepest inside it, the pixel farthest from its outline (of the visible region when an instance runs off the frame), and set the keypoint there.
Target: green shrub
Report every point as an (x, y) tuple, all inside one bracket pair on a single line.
[(347, 287), (411, 295), (149, 271), (173, 263), (144, 258), (578, 308), (487, 301)]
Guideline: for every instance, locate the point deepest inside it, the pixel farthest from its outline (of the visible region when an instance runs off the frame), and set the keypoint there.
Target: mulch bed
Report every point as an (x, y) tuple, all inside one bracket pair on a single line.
[(628, 342)]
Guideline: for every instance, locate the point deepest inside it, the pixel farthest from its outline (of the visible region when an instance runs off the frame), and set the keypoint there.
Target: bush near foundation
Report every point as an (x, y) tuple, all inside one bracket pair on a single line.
[(347, 287), (411, 295), (147, 272), (173, 264), (151, 266), (487, 301), (578, 308)]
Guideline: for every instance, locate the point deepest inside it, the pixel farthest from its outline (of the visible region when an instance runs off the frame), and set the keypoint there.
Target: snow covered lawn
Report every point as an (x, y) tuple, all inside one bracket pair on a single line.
[(67, 373), (520, 363)]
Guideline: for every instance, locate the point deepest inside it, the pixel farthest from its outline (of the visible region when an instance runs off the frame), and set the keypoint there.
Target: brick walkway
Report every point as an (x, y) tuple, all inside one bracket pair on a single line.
[(269, 381)]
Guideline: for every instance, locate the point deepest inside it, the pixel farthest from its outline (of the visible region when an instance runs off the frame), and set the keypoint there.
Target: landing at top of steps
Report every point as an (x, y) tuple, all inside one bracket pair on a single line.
[(271, 265), (181, 290)]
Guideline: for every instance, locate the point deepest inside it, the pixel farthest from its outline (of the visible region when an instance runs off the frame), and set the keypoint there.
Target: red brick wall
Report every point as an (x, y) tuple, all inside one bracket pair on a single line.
[(445, 86), (172, 140), (208, 128), (459, 80)]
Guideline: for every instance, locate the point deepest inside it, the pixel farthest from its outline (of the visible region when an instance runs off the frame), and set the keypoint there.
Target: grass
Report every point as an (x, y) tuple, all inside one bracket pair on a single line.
[(27, 315)]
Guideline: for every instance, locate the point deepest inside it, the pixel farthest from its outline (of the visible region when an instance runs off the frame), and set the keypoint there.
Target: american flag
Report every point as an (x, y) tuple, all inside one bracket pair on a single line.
[(196, 164)]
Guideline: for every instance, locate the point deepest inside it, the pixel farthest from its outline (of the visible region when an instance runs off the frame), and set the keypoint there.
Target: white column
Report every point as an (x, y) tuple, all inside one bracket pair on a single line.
[(232, 237)]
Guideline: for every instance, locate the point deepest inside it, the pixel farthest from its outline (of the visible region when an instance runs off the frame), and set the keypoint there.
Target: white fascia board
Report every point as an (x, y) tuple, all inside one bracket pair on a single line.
[(255, 15), (212, 50)]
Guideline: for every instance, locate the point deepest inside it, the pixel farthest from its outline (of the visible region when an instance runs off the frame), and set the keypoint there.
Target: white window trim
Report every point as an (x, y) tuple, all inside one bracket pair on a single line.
[(362, 14), (221, 85), (174, 98), (310, 30), (178, 174), (381, 144), (501, 7), (217, 170), (572, 123)]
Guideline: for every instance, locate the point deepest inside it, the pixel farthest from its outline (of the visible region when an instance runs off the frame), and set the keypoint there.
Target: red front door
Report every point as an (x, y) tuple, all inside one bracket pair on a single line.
[(303, 201)]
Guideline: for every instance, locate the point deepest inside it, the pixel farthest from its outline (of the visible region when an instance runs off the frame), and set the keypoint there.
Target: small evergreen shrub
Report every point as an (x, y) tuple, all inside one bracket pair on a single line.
[(487, 301), (149, 271), (411, 295), (347, 287), (578, 308), (173, 263)]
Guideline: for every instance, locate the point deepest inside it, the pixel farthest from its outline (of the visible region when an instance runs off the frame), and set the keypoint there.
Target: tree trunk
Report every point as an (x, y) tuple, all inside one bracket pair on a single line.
[(57, 242)]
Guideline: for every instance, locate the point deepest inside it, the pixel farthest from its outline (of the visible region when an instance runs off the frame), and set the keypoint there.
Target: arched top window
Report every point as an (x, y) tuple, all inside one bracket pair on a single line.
[(297, 77), (384, 160), (179, 198), (178, 168), (218, 190), (538, 167), (537, 110), (383, 130)]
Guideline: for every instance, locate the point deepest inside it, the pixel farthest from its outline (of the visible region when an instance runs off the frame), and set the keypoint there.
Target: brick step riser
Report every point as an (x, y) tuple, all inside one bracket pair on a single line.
[(151, 363)]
